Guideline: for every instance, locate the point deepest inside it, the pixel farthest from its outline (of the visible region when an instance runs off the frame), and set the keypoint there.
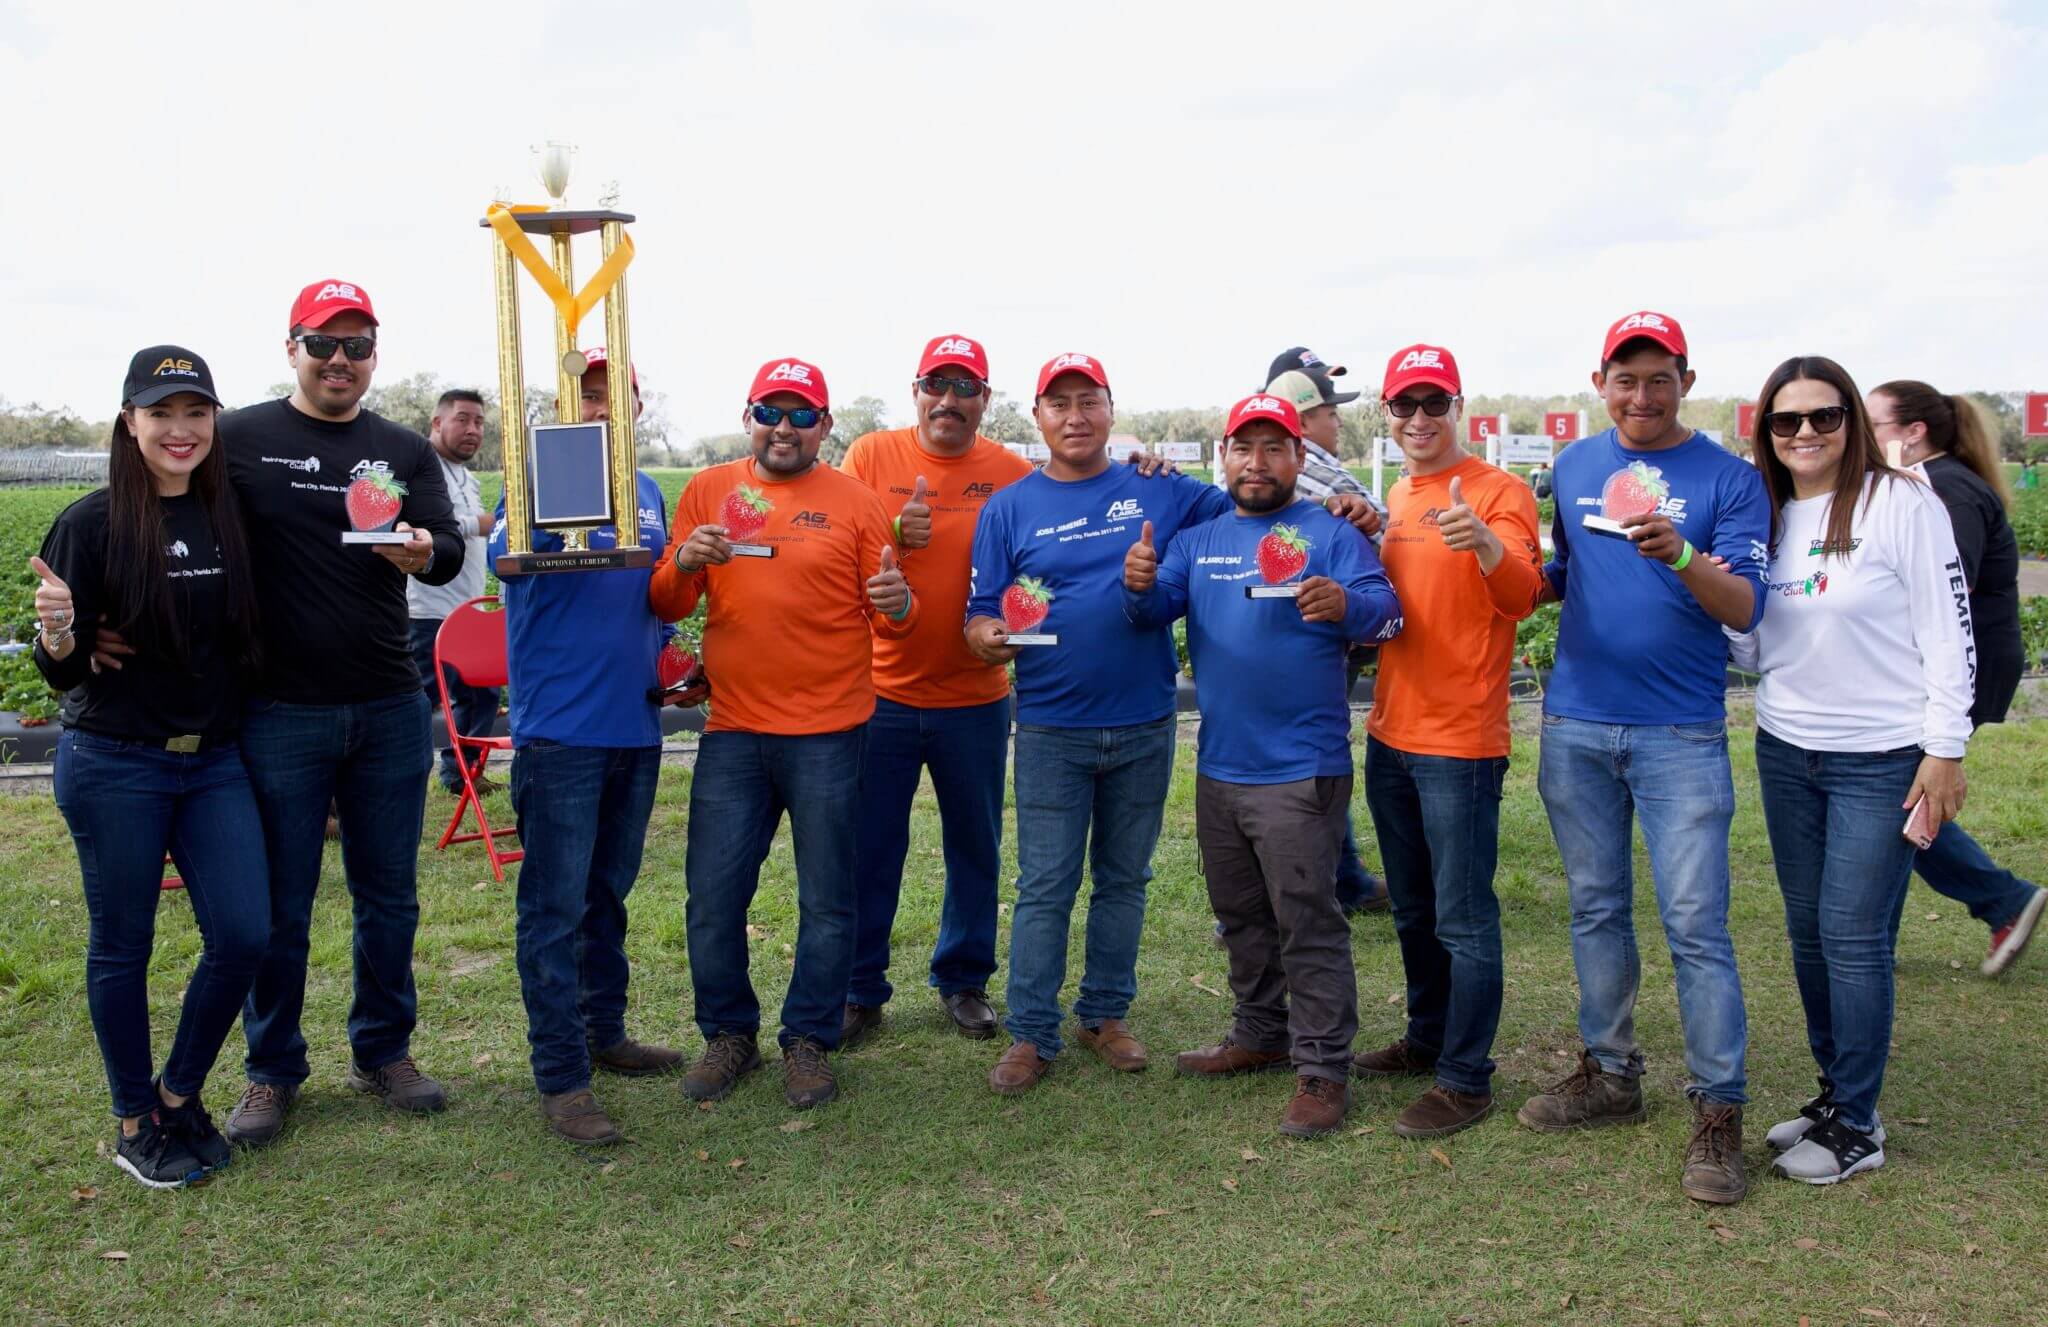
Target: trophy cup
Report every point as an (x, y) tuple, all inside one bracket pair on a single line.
[(568, 476)]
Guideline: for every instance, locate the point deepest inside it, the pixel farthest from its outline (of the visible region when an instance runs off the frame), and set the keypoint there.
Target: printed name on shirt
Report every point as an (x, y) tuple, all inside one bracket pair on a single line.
[(1044, 530), (811, 520), (1959, 595), (1219, 561), (1822, 548), (309, 464)]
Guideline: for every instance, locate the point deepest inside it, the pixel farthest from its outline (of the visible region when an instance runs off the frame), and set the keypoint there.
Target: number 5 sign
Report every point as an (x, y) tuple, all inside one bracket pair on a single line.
[(2037, 415), (1561, 425)]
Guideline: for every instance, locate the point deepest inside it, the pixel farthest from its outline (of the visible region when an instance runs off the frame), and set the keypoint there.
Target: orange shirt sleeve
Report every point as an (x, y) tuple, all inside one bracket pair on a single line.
[(672, 593), (1517, 579)]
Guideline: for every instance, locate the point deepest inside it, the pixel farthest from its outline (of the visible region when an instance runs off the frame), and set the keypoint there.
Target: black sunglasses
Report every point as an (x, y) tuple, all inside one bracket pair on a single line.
[(803, 417), (964, 388), (1785, 423), (322, 347), (1402, 407)]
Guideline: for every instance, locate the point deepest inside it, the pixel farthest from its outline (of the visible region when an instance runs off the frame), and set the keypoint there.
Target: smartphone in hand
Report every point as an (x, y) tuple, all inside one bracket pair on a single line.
[(1920, 828)]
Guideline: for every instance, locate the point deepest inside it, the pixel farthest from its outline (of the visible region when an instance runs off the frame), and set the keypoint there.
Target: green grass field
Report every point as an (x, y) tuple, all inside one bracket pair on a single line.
[(922, 1198)]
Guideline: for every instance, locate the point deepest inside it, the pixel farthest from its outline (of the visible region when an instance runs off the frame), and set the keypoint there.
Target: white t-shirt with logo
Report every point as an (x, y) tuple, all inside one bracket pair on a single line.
[(1866, 648), (433, 602)]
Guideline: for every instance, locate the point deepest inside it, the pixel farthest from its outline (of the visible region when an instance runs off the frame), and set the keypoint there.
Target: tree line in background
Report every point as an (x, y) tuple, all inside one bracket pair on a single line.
[(410, 401)]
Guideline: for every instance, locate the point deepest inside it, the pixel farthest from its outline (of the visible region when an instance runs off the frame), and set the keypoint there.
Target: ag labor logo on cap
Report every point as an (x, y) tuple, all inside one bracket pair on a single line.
[(323, 299), (1662, 329), (955, 351), (1414, 364), (791, 375), (1071, 363), (1260, 405)]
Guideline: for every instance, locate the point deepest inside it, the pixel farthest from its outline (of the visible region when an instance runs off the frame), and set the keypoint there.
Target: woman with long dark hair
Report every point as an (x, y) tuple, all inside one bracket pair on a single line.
[(147, 762), (1862, 713), (1947, 437)]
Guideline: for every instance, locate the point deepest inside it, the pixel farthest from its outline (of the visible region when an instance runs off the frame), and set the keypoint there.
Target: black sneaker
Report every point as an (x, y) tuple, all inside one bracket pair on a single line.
[(156, 1155), (194, 1127), (1830, 1152)]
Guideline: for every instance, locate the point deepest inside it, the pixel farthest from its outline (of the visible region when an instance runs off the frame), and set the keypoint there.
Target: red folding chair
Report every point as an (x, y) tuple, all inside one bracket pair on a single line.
[(472, 642)]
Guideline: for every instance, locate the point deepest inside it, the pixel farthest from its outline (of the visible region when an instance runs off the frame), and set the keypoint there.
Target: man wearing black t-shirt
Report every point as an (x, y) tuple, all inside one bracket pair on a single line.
[(338, 712)]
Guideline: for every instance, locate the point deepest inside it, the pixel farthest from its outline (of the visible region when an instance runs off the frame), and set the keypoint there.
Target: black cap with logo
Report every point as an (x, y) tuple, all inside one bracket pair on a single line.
[(1300, 359), (162, 371)]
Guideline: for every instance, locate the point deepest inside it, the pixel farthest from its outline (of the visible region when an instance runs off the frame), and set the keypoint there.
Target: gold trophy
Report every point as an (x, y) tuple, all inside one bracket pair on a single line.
[(569, 476)]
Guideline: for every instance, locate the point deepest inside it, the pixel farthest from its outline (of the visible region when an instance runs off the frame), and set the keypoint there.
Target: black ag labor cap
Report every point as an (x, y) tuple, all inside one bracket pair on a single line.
[(162, 371)]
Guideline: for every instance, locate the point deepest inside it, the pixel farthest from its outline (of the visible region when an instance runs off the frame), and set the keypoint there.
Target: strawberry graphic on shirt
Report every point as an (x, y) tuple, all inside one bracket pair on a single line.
[(1026, 603), (1635, 491), (373, 500), (1283, 554), (744, 513)]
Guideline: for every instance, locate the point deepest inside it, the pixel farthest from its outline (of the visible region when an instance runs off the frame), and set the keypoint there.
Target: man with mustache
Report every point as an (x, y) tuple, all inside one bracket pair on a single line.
[(937, 705), (455, 433)]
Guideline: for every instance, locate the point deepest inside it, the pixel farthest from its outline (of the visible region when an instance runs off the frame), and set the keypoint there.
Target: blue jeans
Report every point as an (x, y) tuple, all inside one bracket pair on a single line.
[(1957, 866), (583, 824), (127, 803), (741, 786), (1069, 780), (1438, 821), (476, 708), (1596, 777), (1843, 866), (370, 759), (964, 750)]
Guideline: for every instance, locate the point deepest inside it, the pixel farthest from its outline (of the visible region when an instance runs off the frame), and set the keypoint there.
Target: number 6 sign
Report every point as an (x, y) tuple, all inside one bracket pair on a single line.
[(1478, 428)]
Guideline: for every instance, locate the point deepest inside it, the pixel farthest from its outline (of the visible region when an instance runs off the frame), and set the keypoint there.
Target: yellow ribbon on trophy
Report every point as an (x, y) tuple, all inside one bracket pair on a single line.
[(570, 307)]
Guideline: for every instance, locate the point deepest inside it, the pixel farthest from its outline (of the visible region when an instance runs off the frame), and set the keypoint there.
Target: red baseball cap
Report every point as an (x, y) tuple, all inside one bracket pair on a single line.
[(956, 350), (1085, 365), (1420, 363), (595, 358), (1261, 406), (791, 375), (1658, 327), (323, 299)]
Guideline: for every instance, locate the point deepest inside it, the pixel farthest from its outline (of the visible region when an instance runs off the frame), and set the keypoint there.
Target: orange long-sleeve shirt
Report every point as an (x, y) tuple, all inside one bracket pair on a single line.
[(788, 638), (932, 668), (1442, 688)]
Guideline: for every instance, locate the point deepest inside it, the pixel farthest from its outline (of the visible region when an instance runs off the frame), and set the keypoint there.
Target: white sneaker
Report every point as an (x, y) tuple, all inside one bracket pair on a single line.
[(2007, 941), (1785, 1135), (1830, 1152)]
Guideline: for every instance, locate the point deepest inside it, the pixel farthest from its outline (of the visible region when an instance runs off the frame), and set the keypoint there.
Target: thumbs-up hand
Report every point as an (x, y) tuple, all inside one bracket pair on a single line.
[(887, 590), (1463, 530), (1141, 564), (55, 614), (914, 524)]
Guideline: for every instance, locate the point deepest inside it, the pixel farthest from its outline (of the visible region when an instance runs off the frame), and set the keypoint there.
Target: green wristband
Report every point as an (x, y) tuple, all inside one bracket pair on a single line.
[(896, 524), (1684, 557)]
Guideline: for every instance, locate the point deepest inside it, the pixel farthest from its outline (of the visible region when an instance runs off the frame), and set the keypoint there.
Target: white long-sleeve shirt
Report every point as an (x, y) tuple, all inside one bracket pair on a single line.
[(1868, 648)]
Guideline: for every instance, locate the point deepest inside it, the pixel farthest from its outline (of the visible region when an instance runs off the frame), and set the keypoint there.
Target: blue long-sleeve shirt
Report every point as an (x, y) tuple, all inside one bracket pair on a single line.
[(1633, 645), (1270, 686), (583, 644), (1069, 538)]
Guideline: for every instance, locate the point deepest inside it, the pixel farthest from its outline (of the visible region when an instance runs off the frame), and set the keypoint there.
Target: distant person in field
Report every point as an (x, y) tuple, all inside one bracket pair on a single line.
[(582, 649), (937, 706), (455, 433), (1273, 769), (1635, 727), (1461, 547), (1862, 718), (148, 761), (1948, 438), (799, 562)]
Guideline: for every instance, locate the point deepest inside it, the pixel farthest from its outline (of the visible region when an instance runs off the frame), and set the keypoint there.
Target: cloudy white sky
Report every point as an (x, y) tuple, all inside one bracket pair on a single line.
[(1182, 189)]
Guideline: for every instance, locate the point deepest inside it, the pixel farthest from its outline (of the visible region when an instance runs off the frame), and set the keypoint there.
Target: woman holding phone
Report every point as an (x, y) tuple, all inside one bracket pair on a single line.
[(1859, 592), (147, 763)]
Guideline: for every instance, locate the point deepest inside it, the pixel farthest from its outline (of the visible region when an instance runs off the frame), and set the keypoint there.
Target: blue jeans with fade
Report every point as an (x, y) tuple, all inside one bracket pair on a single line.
[(1595, 778), (583, 814), (1098, 793), (370, 760), (128, 803), (1843, 866), (963, 748), (1957, 866), (1438, 822), (742, 784)]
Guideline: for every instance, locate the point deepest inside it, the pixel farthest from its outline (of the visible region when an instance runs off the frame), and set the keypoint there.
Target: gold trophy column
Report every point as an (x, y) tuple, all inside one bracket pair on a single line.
[(511, 401), (621, 403), (568, 386)]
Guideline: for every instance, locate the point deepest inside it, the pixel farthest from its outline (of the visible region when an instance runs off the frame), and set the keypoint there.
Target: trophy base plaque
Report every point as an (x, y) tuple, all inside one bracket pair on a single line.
[(375, 537), (1031, 638), (752, 550), (1601, 525), (1272, 592), (586, 559)]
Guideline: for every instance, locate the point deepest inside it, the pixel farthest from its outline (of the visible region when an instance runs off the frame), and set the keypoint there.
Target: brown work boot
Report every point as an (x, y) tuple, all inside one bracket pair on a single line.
[(637, 1059), (856, 1021), (577, 1117), (727, 1058), (1590, 1098), (1019, 1070), (259, 1116), (1112, 1040), (1396, 1060), (1226, 1058), (1440, 1112), (807, 1077), (1714, 1172), (1317, 1109), (401, 1085)]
